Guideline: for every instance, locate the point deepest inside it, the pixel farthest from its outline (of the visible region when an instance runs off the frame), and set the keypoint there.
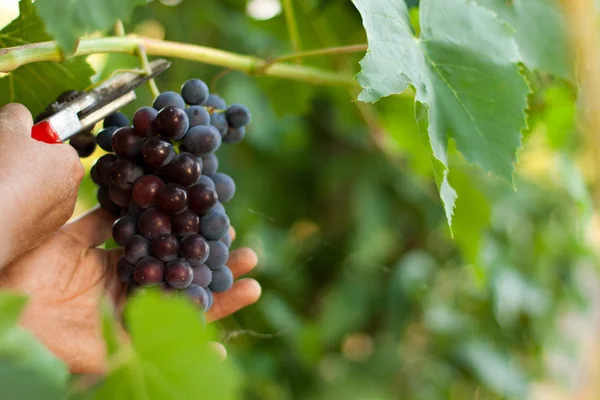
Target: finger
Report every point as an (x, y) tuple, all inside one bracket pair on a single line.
[(92, 228), (243, 293), (17, 119), (219, 349), (232, 233), (242, 261)]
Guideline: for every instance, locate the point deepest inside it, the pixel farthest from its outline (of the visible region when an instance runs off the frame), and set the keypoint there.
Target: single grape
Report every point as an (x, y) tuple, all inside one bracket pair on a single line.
[(202, 276), (237, 115), (117, 119), (227, 239), (185, 169), (126, 143), (145, 190), (171, 199), (179, 273), (214, 225), (137, 247), (157, 152), (165, 247), (225, 186), (118, 196), (194, 248), (166, 99), (105, 201), (125, 173), (105, 167), (149, 272), (219, 122), (235, 135), (154, 223), (202, 140), (194, 92), (198, 296), (216, 102), (222, 280), (84, 143), (185, 223), (219, 207), (207, 181), (197, 116), (210, 298), (104, 138), (210, 164), (143, 119), (125, 271), (171, 122), (123, 229), (94, 175), (218, 255), (201, 198)]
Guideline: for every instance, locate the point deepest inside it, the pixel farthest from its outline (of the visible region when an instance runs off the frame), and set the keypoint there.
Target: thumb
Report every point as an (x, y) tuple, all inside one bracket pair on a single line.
[(15, 121)]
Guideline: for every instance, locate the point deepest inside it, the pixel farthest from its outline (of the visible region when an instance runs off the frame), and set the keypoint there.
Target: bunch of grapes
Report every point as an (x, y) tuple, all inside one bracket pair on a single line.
[(160, 176)]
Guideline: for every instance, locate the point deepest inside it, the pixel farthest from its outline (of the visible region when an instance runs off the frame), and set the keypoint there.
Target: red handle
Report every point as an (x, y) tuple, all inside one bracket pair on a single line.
[(44, 132)]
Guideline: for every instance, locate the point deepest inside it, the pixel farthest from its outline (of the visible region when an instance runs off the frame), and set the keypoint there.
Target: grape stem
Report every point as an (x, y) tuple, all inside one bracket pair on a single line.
[(14, 57), (290, 19), (354, 48), (141, 52)]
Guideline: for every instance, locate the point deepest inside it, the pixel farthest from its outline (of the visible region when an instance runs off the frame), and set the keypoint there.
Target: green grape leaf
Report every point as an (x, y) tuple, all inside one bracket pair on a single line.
[(464, 68), (66, 21), (541, 34), (27, 369), (170, 356), (37, 85)]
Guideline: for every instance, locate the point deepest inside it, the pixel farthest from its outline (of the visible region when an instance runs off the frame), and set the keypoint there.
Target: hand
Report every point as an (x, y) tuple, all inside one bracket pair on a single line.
[(66, 278), (38, 184)]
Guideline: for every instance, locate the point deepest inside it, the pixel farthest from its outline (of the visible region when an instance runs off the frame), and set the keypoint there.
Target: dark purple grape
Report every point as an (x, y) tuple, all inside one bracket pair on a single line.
[(143, 119), (154, 223), (149, 272), (202, 140), (123, 229), (84, 143), (218, 255), (145, 190), (201, 198), (95, 177), (125, 173), (198, 296), (171, 122), (125, 271), (119, 196), (105, 201), (134, 210), (219, 122), (185, 169), (194, 91), (202, 276), (237, 115), (157, 152), (216, 102), (117, 119), (235, 135), (166, 99), (222, 280), (126, 143), (206, 180), (179, 273), (105, 167), (227, 239), (210, 298), (185, 223), (194, 248), (104, 138), (137, 247), (168, 290), (171, 199), (165, 247), (198, 116), (210, 164), (214, 225), (225, 186)]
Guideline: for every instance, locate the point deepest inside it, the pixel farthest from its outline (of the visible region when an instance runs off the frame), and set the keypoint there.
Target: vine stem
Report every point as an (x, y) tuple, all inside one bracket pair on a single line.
[(354, 48), (14, 57), (290, 19)]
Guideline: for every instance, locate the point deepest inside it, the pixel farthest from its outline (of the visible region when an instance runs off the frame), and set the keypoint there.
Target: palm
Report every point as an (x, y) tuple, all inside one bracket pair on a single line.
[(67, 277)]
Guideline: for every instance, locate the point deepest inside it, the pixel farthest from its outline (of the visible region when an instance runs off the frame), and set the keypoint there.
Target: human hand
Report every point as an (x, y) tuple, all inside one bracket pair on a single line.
[(38, 184), (67, 277)]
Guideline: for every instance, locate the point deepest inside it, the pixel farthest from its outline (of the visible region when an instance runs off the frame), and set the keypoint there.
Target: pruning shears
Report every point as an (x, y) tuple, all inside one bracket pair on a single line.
[(74, 112)]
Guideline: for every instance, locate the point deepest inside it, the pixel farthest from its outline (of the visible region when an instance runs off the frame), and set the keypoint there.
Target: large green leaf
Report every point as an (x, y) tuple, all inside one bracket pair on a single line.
[(27, 369), (464, 68), (68, 20), (37, 85), (541, 33)]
